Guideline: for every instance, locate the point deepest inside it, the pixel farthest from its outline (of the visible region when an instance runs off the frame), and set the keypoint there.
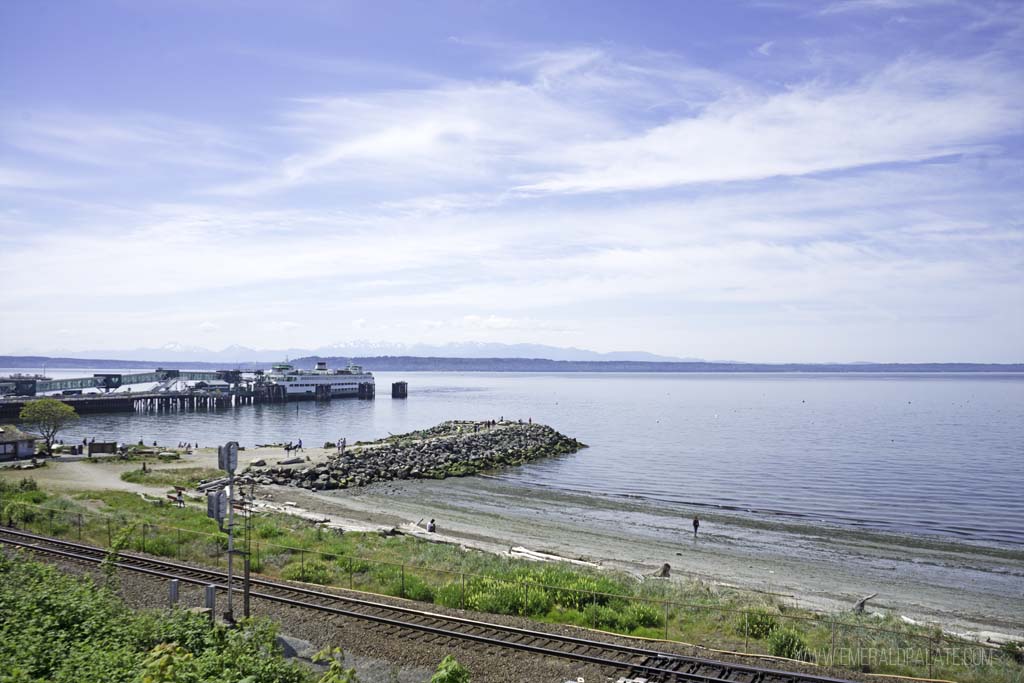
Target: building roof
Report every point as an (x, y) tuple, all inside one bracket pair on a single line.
[(9, 434)]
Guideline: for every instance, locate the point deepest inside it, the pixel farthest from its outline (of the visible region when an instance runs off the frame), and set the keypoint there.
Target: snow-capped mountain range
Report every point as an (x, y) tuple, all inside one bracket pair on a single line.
[(240, 354)]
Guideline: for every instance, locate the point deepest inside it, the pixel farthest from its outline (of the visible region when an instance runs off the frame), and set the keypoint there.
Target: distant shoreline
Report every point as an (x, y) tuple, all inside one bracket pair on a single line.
[(438, 364)]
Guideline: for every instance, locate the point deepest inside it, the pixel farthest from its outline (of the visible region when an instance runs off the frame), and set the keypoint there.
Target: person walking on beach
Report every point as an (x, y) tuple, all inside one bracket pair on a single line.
[(696, 525)]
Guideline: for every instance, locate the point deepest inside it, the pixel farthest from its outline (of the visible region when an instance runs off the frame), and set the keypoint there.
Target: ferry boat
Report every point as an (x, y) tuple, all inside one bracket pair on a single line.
[(321, 381)]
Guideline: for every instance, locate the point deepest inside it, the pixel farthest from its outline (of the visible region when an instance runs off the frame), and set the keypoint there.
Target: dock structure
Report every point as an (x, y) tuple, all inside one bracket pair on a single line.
[(399, 390), (218, 390), (367, 390), (238, 391)]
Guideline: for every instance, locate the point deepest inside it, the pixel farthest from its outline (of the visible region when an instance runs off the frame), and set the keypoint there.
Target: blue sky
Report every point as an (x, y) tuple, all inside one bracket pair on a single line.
[(767, 180)]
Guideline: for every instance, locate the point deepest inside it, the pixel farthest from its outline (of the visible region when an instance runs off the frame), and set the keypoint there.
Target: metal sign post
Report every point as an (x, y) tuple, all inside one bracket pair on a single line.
[(227, 460)]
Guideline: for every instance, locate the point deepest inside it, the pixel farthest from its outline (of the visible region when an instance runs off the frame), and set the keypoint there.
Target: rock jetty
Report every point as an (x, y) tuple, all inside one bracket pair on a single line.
[(451, 449)]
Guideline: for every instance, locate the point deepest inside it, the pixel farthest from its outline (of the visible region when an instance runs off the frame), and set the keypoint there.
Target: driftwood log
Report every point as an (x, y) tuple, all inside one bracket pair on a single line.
[(860, 604)]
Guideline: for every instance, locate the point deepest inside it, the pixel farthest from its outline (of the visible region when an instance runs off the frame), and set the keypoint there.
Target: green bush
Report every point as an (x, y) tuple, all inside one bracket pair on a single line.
[(415, 588), (450, 671), (603, 617), (312, 571), (643, 614), (788, 643), (449, 595), (19, 513), (64, 629), (757, 624), (265, 529), (506, 597)]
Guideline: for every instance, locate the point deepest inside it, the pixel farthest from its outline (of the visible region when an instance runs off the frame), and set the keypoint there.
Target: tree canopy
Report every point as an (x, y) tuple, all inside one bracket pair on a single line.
[(47, 416)]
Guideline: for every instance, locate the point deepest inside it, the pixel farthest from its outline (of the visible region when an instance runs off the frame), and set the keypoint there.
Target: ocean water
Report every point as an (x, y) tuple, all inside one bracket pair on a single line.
[(935, 454)]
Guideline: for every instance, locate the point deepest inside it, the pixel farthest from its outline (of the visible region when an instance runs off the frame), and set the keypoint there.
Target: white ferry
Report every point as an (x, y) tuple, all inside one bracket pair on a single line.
[(305, 383)]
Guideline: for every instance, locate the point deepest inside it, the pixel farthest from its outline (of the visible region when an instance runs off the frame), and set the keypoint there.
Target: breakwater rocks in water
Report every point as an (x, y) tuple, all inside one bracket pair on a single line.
[(451, 449)]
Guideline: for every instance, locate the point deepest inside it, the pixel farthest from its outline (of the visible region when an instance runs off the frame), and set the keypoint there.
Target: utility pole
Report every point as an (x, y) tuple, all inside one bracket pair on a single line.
[(227, 460)]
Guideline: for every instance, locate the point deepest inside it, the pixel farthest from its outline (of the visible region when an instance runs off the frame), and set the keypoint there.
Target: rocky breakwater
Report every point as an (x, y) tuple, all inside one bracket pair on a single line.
[(451, 449)]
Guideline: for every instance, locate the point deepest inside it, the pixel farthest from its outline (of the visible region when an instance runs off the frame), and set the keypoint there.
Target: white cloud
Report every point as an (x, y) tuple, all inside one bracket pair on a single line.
[(911, 111), (626, 194), (124, 140), (883, 5)]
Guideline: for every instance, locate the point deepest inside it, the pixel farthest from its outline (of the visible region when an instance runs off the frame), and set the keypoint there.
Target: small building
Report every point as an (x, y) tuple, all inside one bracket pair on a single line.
[(15, 443), (213, 385)]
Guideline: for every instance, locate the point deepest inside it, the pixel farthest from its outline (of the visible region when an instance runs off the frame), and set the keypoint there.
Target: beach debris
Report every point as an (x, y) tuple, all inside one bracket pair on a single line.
[(862, 603), (522, 553), (259, 463), (213, 484)]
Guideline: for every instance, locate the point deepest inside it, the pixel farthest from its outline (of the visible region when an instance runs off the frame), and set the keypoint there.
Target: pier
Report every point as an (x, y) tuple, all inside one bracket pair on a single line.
[(212, 391), (148, 402)]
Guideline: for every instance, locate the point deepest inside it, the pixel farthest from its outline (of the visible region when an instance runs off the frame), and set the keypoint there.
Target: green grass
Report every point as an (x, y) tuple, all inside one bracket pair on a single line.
[(690, 611), (187, 477)]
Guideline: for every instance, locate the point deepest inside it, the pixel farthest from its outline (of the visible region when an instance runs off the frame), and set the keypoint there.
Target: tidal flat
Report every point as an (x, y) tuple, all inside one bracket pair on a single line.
[(962, 587)]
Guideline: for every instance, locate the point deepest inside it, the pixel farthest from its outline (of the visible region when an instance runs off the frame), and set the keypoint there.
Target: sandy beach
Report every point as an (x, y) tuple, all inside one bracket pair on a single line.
[(964, 588)]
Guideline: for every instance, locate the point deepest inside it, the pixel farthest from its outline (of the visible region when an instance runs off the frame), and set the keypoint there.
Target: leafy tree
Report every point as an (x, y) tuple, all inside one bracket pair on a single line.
[(450, 671), (47, 416)]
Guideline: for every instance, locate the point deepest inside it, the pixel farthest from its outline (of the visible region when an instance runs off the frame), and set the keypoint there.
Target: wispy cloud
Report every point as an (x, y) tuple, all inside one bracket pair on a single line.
[(883, 5), (566, 195), (912, 111)]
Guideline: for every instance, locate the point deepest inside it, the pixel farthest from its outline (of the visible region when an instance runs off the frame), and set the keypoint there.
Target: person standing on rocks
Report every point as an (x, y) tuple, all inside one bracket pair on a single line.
[(696, 525)]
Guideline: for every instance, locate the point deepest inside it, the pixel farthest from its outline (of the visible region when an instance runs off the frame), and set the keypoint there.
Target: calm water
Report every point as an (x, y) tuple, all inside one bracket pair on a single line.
[(936, 454)]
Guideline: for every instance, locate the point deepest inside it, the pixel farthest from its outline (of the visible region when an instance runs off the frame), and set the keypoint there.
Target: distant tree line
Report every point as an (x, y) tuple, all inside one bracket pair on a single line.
[(427, 363)]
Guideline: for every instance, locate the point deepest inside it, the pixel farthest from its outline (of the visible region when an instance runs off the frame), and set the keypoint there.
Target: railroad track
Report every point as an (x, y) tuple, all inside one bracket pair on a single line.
[(627, 661)]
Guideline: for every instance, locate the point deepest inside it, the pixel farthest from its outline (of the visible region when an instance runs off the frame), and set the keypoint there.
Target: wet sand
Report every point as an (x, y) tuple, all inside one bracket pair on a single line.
[(964, 588)]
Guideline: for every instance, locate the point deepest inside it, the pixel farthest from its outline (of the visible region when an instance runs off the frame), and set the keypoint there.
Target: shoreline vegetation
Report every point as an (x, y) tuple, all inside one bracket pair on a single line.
[(451, 449), (690, 610), (71, 629)]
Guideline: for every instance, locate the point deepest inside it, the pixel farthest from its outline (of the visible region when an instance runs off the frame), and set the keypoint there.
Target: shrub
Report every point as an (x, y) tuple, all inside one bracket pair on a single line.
[(17, 512), (601, 616), (785, 642), (418, 589), (644, 614), (506, 597), (757, 624), (267, 530), (450, 671), (312, 571), (449, 595), (68, 630)]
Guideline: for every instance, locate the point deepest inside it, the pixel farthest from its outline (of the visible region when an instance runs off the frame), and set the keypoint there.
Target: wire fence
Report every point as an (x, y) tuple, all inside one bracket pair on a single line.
[(841, 640)]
